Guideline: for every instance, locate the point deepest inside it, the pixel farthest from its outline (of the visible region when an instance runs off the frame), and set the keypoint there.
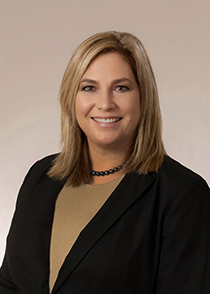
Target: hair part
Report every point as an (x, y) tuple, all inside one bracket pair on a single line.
[(147, 150)]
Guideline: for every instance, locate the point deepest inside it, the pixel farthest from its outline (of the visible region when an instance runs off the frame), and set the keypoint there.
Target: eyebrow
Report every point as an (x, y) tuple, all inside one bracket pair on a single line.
[(88, 81), (116, 81)]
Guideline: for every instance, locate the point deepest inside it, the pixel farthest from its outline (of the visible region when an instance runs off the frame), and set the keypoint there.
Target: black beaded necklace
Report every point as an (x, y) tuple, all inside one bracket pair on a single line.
[(106, 172)]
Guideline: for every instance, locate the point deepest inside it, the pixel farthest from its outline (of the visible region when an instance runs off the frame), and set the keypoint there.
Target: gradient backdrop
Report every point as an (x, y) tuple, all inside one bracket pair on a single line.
[(37, 38)]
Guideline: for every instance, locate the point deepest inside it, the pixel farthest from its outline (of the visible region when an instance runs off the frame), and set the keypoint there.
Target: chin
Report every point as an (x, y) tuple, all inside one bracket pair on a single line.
[(110, 143)]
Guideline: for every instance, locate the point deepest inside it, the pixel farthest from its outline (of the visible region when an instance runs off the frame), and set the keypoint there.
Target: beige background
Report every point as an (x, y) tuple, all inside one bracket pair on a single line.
[(38, 37)]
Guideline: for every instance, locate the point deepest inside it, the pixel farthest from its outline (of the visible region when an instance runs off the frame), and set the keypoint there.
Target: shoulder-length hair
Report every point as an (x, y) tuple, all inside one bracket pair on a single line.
[(147, 151)]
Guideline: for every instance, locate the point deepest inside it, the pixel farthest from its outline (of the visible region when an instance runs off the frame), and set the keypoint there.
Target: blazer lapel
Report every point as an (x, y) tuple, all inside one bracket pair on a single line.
[(131, 188)]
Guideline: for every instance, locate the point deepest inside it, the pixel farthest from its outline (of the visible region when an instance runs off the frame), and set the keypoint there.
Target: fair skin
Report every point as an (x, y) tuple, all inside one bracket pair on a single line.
[(108, 111)]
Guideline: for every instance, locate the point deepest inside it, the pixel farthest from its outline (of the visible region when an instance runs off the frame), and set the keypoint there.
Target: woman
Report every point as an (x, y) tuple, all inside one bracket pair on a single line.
[(112, 213)]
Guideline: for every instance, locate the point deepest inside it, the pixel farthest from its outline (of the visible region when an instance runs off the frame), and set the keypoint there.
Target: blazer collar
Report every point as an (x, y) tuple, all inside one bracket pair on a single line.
[(130, 189)]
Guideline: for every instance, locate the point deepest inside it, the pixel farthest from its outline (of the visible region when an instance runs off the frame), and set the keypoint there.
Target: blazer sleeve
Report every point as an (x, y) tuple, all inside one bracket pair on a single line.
[(7, 280), (185, 254), (7, 286)]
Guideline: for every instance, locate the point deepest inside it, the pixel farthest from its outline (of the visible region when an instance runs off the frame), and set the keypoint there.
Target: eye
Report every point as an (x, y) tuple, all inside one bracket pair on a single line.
[(88, 89), (121, 88)]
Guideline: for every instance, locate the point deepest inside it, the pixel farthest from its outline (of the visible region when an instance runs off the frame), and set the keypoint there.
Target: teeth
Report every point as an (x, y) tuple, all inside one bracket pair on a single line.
[(108, 120)]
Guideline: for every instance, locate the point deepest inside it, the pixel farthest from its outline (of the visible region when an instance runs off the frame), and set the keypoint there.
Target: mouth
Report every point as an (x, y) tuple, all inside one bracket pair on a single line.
[(106, 120)]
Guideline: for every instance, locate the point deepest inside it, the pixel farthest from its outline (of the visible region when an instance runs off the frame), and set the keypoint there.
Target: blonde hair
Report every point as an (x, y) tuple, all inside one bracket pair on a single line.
[(147, 151)]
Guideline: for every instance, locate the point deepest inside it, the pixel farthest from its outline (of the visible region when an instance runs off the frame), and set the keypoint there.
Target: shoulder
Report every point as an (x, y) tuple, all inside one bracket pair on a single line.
[(37, 173), (174, 172), (175, 181), (42, 166)]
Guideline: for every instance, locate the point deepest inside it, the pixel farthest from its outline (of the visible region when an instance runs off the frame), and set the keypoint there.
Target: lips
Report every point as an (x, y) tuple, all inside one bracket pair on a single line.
[(106, 120)]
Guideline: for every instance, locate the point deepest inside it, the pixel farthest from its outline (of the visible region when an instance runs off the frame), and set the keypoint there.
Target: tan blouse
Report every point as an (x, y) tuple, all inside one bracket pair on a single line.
[(75, 207)]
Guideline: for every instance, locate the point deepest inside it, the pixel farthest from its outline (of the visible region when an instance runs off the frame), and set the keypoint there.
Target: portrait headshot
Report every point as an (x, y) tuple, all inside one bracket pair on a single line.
[(105, 147)]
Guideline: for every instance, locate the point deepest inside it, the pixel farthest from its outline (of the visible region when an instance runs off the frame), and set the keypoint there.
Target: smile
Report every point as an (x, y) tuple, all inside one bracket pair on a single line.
[(106, 120)]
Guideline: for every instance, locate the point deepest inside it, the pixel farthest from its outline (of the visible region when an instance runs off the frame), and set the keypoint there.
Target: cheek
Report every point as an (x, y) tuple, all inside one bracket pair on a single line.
[(82, 107), (77, 108), (82, 110), (137, 106), (135, 113), (138, 111), (134, 108)]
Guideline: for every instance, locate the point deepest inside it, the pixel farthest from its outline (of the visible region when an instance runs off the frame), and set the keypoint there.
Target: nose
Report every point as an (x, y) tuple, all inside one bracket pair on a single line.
[(105, 100)]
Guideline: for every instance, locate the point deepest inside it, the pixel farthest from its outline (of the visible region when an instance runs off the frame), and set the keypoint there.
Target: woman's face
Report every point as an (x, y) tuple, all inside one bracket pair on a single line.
[(108, 103)]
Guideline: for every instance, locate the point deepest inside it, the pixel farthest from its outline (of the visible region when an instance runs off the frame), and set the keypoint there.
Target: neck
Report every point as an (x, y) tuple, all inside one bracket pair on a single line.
[(106, 160)]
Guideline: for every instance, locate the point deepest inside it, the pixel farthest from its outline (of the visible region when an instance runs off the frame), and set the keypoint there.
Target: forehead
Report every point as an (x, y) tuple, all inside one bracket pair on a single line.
[(113, 63)]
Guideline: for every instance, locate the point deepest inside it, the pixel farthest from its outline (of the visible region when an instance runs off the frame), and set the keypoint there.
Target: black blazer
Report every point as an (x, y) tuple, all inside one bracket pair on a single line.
[(150, 237)]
